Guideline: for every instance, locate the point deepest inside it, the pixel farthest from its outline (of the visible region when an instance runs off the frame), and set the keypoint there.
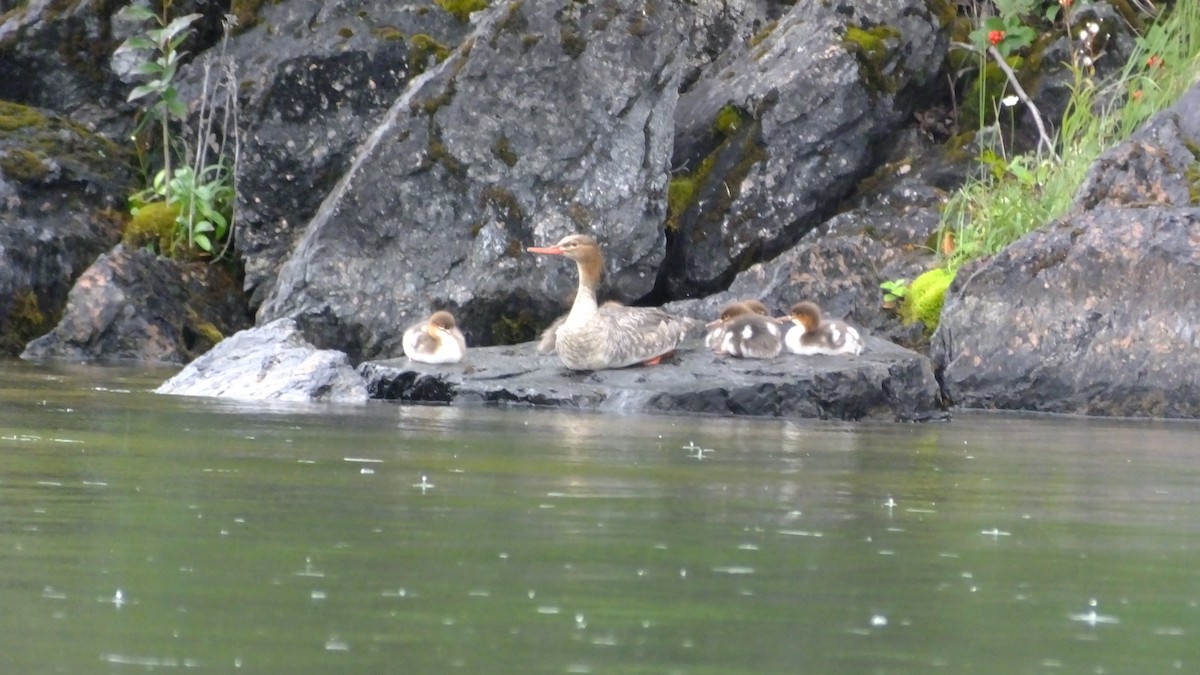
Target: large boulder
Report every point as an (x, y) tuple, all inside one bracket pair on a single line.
[(133, 305), (314, 78), (1097, 313), (546, 121), (886, 382), (272, 362), (62, 203), (768, 145)]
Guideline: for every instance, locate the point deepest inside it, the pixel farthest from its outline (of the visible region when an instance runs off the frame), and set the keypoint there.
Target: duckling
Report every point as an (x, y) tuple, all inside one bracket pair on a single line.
[(435, 340), (749, 335), (813, 335), (716, 328)]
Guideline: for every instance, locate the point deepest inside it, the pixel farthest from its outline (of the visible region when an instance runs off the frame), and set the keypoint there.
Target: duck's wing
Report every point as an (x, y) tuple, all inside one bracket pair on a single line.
[(638, 334)]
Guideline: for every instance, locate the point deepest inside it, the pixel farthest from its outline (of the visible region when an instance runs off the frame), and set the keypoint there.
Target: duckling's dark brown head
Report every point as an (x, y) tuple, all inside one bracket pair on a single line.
[(443, 319), (756, 307), (806, 314)]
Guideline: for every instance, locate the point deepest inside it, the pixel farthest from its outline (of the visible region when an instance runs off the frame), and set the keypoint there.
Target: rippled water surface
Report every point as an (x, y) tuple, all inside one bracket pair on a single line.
[(150, 533)]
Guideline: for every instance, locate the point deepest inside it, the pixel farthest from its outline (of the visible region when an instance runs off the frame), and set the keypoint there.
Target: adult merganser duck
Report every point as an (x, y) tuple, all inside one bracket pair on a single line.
[(813, 335), (752, 336), (610, 336), (435, 340), (716, 328)]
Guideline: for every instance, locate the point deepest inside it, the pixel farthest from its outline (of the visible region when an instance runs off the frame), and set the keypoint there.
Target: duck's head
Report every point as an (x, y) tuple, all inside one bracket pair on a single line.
[(756, 307), (806, 314), (728, 313), (577, 247), (441, 322)]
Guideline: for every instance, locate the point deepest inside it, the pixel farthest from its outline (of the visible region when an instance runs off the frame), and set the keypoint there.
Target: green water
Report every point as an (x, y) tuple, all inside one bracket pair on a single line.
[(145, 533)]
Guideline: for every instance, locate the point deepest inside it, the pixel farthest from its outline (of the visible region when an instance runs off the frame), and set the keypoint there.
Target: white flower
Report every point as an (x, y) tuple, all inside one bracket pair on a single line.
[(1093, 27), (1009, 101)]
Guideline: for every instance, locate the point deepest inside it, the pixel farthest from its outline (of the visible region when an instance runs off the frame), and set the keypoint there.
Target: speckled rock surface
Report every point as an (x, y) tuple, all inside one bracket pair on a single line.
[(133, 305), (816, 114), (315, 78), (886, 382), (62, 198), (1096, 316), (1099, 313), (546, 121), (272, 362)]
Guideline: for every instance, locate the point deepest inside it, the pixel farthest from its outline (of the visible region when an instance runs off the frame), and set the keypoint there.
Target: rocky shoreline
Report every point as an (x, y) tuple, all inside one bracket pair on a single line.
[(724, 150)]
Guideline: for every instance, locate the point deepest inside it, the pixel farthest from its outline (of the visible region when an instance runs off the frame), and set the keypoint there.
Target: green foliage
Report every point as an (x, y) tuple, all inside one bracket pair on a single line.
[(462, 9), (894, 291), (1014, 195), (200, 193), (1008, 25), (924, 298)]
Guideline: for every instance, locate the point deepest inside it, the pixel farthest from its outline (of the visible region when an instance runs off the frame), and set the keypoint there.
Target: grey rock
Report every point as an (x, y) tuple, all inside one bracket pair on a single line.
[(1095, 315), (314, 79), (546, 121), (887, 382), (61, 189), (815, 119), (272, 362), (133, 305)]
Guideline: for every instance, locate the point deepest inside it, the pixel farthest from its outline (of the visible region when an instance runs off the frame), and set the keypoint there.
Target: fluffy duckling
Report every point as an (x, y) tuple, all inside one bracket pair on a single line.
[(813, 335), (715, 330), (435, 340), (749, 335)]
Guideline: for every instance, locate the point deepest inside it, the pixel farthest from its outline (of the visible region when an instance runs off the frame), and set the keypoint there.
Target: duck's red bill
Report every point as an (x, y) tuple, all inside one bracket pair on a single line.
[(552, 250)]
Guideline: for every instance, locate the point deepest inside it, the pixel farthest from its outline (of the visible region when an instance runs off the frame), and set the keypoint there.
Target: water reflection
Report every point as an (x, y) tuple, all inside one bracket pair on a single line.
[(165, 532)]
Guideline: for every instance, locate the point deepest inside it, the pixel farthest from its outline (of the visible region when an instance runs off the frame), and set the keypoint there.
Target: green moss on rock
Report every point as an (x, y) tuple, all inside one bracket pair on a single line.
[(387, 34), (461, 9), (15, 116), (152, 225), (24, 165), (925, 297), (422, 46), (872, 48), (504, 152), (24, 322)]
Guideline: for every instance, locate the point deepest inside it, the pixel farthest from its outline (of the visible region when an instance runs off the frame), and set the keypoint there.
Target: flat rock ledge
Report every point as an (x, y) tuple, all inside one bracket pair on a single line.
[(886, 382)]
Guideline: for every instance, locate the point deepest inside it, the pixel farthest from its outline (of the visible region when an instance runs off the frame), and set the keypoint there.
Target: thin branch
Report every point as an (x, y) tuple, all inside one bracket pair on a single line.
[(1037, 116)]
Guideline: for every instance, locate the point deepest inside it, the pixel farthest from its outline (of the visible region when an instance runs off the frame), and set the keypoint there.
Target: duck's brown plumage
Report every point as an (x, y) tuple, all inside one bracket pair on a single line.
[(435, 340), (814, 335), (715, 329), (596, 337)]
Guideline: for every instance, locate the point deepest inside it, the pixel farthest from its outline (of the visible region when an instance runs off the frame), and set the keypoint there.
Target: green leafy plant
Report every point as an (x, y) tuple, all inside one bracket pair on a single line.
[(160, 48), (894, 291), (1014, 195), (196, 180)]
